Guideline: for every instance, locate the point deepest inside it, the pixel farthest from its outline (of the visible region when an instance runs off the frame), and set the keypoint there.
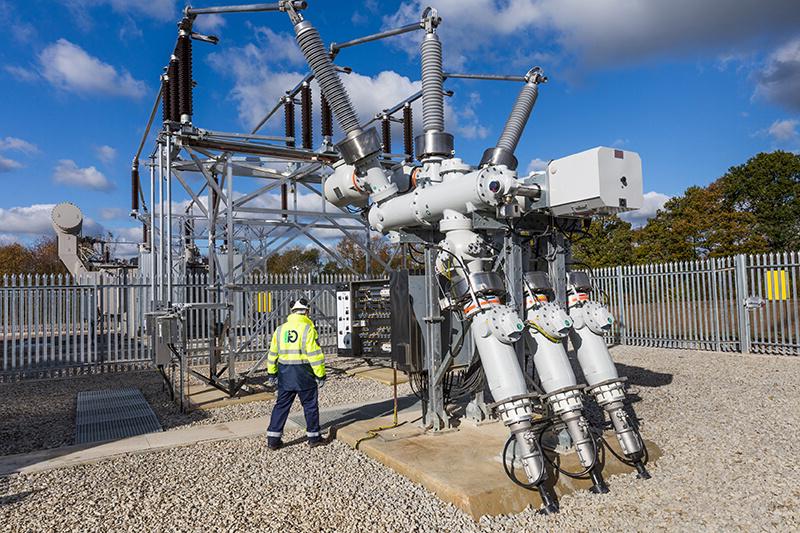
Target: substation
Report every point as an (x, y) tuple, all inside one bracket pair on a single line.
[(477, 305)]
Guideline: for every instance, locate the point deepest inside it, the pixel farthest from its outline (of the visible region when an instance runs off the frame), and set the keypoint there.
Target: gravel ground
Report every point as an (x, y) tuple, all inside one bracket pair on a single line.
[(41, 414), (727, 424)]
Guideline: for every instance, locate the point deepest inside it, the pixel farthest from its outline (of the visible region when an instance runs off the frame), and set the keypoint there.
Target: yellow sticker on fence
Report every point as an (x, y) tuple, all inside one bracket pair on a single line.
[(264, 302), (777, 283)]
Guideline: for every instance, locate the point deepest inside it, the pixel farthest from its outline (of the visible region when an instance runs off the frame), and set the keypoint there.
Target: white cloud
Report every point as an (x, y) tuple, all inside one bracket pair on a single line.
[(21, 73), (7, 165), (35, 220), (105, 153), (653, 201), (603, 32), (537, 165), (263, 72), (783, 130), (209, 23), (20, 145), (111, 213), (68, 173), (778, 81), (162, 10), (69, 67)]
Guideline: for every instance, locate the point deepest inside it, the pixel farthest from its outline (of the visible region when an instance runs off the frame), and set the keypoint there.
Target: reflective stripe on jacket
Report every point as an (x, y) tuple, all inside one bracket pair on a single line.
[(295, 355)]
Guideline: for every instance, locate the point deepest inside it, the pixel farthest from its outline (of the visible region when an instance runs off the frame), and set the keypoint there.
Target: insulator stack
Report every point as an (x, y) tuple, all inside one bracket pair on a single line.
[(306, 114), (135, 187), (146, 234), (188, 231), (318, 58), (432, 83), (288, 111), (174, 91), (165, 99), (408, 133), (515, 125), (184, 53), (327, 117), (386, 135)]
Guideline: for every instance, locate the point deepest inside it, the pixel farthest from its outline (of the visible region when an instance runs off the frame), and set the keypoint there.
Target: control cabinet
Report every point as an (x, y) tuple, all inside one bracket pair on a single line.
[(383, 319)]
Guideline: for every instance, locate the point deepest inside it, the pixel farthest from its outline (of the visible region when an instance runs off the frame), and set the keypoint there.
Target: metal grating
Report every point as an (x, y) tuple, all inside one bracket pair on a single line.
[(113, 414)]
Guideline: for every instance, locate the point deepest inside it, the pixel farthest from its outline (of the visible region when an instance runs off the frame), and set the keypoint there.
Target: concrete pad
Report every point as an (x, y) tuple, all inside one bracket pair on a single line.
[(68, 456), (381, 374), (202, 396), (463, 466)]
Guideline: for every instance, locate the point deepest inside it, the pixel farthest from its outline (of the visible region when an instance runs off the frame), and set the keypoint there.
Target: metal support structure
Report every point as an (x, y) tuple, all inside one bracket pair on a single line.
[(434, 415)]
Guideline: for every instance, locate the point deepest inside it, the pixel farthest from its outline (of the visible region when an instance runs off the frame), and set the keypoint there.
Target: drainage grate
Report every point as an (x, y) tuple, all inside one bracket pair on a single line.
[(113, 414)]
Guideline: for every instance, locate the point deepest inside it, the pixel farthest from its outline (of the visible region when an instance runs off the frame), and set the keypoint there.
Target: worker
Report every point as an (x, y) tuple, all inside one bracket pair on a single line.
[(296, 365)]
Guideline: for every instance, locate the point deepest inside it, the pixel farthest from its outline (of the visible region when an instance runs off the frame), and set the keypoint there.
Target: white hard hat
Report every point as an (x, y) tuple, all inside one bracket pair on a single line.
[(300, 305)]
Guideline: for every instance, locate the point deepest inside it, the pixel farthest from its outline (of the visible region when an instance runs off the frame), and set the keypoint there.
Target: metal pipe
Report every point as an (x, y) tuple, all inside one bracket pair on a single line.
[(495, 77), (245, 8), (160, 266), (152, 228), (335, 47), (169, 218), (153, 112), (296, 154)]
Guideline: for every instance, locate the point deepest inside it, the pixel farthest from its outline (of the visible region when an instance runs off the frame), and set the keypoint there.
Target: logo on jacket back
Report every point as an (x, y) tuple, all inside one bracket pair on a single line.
[(290, 336)]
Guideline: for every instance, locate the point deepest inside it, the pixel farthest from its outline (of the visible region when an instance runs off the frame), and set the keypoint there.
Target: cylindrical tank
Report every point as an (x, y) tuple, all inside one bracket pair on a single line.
[(67, 218)]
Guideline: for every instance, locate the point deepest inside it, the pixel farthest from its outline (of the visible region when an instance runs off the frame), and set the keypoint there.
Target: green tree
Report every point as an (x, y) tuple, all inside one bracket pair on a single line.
[(608, 242), (768, 187), (697, 225), (16, 259), (302, 260)]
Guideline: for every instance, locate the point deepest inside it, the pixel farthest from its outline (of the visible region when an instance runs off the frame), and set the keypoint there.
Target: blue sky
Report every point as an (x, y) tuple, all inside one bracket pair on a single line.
[(694, 87)]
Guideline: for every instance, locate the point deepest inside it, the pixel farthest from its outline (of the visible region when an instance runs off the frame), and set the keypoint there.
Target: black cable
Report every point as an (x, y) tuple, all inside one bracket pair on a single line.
[(583, 474)]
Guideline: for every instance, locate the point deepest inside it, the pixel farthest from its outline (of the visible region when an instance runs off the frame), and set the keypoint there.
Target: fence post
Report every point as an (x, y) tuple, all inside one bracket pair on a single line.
[(622, 325), (715, 303), (740, 268)]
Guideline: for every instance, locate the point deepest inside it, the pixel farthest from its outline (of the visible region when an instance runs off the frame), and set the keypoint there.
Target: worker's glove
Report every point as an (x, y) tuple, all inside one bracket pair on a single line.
[(320, 382), (272, 381)]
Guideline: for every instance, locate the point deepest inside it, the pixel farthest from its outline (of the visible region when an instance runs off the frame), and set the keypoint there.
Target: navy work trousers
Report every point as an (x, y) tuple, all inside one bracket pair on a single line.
[(308, 398)]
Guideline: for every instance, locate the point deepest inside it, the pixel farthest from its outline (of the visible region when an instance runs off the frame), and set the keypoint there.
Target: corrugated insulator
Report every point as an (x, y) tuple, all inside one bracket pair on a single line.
[(288, 125), (135, 188), (184, 53), (165, 99), (327, 117), (408, 133), (306, 116), (386, 135), (174, 91)]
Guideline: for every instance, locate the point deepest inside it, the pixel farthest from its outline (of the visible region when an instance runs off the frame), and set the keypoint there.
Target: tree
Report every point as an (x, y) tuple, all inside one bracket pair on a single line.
[(15, 259), (768, 187), (303, 260), (697, 225), (45, 255), (356, 257), (608, 242)]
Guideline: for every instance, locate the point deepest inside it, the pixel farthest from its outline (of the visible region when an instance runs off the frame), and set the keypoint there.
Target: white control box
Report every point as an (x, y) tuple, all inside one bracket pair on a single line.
[(344, 320), (600, 181)]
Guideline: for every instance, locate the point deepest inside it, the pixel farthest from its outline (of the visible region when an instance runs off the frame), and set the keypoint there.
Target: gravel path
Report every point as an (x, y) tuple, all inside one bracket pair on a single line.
[(41, 414), (728, 425)]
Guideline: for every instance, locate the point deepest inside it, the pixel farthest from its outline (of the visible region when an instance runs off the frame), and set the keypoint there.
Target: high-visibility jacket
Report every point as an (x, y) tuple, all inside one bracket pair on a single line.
[(295, 355)]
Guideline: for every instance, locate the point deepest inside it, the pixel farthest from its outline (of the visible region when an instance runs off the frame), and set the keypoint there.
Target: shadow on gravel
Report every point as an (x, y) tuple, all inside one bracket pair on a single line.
[(644, 377), (9, 499)]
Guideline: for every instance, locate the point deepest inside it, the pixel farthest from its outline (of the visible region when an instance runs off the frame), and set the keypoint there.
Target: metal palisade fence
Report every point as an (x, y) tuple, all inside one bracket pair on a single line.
[(743, 303), (58, 325)]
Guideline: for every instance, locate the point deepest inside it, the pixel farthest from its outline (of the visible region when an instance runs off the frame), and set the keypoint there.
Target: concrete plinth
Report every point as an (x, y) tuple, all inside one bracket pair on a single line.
[(464, 466), (380, 374), (202, 396)]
